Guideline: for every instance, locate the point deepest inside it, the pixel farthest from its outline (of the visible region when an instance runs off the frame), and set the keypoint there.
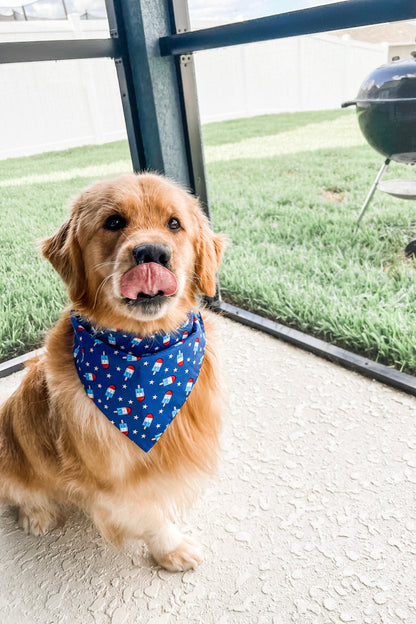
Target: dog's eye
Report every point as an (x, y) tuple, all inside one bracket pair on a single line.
[(114, 223), (174, 224)]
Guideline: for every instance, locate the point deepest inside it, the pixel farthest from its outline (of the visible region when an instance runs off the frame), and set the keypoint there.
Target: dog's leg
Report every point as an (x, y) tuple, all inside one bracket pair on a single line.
[(38, 520), (35, 521), (173, 550)]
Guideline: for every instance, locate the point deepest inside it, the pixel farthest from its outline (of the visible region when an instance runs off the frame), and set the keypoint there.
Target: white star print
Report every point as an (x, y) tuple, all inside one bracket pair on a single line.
[(135, 432)]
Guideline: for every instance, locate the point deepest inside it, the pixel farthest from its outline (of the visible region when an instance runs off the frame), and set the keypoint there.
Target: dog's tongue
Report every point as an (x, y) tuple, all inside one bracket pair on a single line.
[(149, 279)]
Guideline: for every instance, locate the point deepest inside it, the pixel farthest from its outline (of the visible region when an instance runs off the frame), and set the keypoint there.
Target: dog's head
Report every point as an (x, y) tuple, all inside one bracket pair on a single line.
[(136, 249)]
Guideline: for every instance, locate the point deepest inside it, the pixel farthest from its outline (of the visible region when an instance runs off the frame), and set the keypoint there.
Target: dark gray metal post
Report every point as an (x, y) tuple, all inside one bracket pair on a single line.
[(155, 83), (191, 120), (190, 107)]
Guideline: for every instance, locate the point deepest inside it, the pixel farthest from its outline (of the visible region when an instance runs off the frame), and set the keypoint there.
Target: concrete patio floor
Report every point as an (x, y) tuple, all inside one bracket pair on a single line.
[(310, 519)]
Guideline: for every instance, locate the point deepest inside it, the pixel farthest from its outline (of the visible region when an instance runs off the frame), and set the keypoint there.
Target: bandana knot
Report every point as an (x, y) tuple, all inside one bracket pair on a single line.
[(139, 383)]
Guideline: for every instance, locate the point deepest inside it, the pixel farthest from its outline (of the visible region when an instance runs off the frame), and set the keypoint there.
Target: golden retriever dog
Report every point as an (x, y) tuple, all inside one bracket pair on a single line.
[(137, 254)]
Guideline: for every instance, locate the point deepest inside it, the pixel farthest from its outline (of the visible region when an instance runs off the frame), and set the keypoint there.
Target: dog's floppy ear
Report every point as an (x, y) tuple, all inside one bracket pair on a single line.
[(210, 248), (63, 251)]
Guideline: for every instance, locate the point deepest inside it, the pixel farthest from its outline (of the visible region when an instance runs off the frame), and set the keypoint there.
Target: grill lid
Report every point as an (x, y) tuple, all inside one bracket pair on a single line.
[(386, 109), (393, 81)]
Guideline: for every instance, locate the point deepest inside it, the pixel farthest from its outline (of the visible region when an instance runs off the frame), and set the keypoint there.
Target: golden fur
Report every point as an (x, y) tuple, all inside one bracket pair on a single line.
[(55, 445)]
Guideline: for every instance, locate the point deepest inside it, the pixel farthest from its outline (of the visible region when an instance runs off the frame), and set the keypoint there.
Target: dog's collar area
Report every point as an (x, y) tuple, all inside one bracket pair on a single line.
[(133, 343), (139, 382)]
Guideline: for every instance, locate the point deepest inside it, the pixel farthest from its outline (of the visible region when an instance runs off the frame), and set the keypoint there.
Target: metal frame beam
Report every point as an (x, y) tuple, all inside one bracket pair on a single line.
[(18, 363), (352, 361), (325, 18), (125, 81), (61, 50)]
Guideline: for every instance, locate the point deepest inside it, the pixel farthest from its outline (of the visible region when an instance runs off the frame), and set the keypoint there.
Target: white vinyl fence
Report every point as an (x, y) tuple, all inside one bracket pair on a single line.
[(56, 105), (316, 72)]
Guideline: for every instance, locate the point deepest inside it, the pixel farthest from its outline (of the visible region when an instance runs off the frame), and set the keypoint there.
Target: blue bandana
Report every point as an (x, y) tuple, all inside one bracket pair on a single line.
[(139, 383)]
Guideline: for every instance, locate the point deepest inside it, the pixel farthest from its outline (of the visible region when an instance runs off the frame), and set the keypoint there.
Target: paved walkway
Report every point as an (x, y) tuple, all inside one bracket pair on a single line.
[(311, 518)]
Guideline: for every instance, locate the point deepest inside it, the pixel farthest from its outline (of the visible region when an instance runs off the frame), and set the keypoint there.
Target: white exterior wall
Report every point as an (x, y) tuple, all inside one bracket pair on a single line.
[(56, 105)]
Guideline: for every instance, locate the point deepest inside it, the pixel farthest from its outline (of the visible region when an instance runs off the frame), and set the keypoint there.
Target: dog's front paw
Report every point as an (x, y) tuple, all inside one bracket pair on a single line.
[(35, 522), (186, 556)]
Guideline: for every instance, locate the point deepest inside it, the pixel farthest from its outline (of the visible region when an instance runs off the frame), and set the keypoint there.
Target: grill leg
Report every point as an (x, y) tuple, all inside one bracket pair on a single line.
[(372, 190)]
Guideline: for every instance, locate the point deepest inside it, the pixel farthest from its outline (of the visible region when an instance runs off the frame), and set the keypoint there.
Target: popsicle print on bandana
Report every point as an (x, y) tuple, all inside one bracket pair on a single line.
[(139, 383)]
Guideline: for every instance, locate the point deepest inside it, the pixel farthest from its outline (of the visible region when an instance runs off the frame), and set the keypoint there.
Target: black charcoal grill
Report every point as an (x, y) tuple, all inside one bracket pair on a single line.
[(386, 110)]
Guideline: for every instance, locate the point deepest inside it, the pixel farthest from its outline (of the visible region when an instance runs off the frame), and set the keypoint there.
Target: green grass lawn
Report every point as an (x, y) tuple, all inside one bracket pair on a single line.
[(286, 189)]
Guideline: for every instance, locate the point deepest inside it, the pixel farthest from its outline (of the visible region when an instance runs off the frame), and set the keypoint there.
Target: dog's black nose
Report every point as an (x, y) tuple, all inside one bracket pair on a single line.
[(152, 252)]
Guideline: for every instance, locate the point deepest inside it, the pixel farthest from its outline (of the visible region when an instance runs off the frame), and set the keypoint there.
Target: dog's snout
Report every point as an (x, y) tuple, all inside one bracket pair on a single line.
[(152, 252)]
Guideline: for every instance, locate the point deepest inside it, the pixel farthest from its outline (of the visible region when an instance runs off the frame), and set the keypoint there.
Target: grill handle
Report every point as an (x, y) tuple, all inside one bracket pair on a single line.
[(349, 103)]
